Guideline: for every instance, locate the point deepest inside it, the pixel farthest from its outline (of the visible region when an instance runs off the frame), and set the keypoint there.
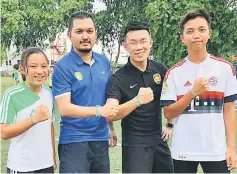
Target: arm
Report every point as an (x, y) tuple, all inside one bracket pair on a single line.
[(175, 109), (53, 145), (12, 130), (124, 109), (112, 135), (200, 86), (66, 108), (230, 123), (145, 96)]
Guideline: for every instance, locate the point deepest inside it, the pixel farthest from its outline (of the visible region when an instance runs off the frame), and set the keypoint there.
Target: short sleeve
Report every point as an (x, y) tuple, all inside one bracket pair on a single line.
[(61, 82), (168, 94), (230, 93), (114, 88), (8, 111)]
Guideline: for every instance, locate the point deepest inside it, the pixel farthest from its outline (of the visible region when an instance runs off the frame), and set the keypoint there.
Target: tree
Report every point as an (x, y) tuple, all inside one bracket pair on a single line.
[(165, 15), (111, 21), (34, 22)]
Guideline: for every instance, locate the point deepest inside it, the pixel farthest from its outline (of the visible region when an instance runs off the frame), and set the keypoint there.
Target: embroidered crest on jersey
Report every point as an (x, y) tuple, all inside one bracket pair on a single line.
[(157, 78), (188, 83), (164, 88), (213, 81), (79, 75)]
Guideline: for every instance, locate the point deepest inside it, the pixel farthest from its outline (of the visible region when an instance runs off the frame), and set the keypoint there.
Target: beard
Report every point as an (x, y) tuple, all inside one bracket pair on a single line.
[(84, 50)]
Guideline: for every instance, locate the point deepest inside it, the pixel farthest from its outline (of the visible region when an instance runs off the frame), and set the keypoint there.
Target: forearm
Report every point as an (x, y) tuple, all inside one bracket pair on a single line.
[(175, 109), (71, 110), (53, 142), (169, 120), (125, 109), (16, 129), (230, 125), (111, 125)]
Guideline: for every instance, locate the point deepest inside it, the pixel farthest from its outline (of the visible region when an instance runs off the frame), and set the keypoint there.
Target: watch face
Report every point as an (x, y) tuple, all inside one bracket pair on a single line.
[(170, 125)]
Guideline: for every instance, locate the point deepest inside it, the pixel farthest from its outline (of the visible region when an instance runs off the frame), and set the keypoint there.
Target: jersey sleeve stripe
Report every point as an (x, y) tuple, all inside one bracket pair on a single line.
[(173, 67), (225, 61), (5, 96), (6, 100)]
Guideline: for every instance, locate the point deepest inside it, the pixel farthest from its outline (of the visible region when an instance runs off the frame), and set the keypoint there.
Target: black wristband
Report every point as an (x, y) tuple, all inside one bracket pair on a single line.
[(169, 125)]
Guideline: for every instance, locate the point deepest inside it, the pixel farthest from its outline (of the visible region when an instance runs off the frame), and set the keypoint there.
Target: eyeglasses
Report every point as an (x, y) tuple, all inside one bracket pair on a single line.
[(142, 43)]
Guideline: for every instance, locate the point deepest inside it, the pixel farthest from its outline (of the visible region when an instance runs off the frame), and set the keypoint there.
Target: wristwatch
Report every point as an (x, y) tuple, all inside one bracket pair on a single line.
[(169, 125)]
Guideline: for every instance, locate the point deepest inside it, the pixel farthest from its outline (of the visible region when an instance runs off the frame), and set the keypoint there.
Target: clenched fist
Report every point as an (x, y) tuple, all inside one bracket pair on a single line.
[(145, 95), (41, 114), (108, 110), (200, 86)]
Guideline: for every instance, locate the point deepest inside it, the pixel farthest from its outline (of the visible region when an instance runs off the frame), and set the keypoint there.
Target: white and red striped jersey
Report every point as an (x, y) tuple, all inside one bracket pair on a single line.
[(199, 132)]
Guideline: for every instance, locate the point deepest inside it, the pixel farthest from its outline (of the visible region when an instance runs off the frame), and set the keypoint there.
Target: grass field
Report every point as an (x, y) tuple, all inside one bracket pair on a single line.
[(115, 153)]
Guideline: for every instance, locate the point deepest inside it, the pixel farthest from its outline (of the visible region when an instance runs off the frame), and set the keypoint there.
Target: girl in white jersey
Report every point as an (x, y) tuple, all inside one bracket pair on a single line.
[(27, 118)]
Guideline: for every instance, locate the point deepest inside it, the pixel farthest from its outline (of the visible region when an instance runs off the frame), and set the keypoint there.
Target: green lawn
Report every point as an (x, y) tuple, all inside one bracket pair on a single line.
[(115, 153)]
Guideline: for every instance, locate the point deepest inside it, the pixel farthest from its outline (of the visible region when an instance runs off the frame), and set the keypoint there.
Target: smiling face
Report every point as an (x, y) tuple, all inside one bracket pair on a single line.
[(36, 70), (196, 34), (83, 35), (138, 43)]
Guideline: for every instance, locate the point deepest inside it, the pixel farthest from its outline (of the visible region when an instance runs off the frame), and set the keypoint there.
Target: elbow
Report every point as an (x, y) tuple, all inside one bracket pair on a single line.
[(167, 113), (63, 110), (5, 136)]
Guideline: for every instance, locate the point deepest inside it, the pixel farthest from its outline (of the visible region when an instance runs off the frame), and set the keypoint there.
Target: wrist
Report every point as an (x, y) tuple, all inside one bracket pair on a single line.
[(97, 110), (138, 100), (192, 93), (169, 125), (232, 147), (32, 120)]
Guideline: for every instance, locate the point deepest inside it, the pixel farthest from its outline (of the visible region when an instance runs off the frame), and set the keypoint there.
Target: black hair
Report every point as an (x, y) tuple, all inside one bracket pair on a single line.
[(192, 15), (29, 51), (16, 66), (136, 25), (79, 15)]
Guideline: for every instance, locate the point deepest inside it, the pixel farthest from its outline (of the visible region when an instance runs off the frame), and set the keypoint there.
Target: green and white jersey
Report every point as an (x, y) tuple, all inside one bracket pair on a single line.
[(31, 150)]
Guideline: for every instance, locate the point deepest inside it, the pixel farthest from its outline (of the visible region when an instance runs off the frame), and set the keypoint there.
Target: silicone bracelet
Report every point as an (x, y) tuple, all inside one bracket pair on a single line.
[(138, 100), (31, 119), (193, 94), (97, 110)]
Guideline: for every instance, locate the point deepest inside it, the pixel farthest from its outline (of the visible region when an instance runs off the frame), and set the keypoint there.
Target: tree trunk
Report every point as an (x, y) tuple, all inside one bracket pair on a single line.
[(118, 53)]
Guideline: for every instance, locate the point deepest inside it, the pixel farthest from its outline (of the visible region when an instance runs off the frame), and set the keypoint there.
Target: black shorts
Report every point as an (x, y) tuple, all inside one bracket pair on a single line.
[(85, 157), (46, 170), (207, 166), (153, 159)]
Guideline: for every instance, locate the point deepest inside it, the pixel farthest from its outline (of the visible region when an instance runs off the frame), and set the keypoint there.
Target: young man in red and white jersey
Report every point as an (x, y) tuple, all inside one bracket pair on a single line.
[(199, 93)]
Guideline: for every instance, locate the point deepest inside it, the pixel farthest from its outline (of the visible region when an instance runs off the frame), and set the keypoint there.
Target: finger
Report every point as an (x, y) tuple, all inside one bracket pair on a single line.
[(163, 135), (166, 138), (235, 163), (230, 167), (228, 161)]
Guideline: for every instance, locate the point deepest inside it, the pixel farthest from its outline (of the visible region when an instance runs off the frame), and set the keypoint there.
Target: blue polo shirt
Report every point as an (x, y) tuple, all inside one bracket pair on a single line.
[(87, 86)]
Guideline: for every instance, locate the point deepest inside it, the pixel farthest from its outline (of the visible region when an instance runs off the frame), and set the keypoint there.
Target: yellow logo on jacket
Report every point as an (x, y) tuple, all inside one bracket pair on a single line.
[(79, 75), (157, 78)]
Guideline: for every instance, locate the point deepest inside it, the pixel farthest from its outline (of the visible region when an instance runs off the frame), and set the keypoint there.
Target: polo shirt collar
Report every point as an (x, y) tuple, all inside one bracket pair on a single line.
[(130, 68), (79, 60)]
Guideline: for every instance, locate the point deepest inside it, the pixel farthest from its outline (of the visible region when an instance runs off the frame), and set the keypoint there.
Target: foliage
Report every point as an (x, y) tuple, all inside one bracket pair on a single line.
[(34, 22), (164, 16)]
